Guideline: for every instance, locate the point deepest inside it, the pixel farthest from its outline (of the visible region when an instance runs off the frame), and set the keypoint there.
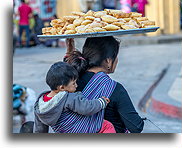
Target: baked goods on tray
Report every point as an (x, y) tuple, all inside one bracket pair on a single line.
[(107, 20)]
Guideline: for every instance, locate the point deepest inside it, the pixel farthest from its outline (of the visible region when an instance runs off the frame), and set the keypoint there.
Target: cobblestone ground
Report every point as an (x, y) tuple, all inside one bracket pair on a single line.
[(138, 68)]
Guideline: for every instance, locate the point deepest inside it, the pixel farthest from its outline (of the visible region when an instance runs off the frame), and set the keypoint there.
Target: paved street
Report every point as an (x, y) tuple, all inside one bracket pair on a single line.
[(138, 68)]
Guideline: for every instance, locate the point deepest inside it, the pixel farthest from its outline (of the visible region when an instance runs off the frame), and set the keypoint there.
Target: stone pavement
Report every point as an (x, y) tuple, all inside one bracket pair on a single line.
[(138, 68)]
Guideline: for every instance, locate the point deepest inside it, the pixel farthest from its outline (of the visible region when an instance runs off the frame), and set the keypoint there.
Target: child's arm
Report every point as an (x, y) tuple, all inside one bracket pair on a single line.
[(78, 103), (39, 127)]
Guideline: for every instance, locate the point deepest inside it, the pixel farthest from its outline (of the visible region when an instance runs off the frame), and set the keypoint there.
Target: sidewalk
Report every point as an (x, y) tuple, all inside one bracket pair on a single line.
[(169, 103), (133, 40)]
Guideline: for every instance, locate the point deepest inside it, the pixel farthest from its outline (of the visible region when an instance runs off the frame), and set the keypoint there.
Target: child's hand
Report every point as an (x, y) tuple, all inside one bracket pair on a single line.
[(106, 99)]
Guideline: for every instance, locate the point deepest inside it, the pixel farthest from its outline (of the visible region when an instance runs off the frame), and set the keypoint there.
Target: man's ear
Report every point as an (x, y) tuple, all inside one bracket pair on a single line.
[(60, 88)]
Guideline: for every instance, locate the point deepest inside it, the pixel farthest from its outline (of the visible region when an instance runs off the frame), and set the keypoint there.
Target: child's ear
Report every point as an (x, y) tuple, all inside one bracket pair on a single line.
[(60, 88)]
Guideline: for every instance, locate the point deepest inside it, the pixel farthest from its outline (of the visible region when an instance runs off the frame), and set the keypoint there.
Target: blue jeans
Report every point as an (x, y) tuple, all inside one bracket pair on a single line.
[(27, 31)]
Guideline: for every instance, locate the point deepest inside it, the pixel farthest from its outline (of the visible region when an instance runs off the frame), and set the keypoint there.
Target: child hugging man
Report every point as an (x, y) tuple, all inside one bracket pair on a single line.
[(51, 107)]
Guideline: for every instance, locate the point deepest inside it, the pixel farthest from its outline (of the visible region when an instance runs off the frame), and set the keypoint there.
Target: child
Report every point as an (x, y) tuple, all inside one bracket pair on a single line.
[(51, 107)]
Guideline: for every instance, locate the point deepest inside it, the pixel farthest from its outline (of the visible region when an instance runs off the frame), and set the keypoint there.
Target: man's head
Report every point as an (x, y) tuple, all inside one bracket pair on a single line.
[(23, 1), (62, 77)]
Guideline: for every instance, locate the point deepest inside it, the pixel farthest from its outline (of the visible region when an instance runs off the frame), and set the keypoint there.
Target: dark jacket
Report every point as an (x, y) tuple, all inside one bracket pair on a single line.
[(48, 113), (120, 111)]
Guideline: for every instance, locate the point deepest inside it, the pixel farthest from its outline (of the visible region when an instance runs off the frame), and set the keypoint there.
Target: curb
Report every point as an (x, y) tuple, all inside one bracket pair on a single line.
[(162, 102), (166, 109)]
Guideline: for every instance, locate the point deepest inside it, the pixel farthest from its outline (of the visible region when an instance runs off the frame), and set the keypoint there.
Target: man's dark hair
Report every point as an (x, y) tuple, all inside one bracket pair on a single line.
[(23, 1), (60, 73)]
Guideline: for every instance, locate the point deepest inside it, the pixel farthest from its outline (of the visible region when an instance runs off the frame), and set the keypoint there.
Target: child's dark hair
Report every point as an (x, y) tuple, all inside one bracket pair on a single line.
[(95, 51), (60, 73), (77, 60)]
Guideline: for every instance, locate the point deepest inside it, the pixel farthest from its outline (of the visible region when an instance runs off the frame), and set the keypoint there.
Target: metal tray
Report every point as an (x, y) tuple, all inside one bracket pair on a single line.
[(100, 34)]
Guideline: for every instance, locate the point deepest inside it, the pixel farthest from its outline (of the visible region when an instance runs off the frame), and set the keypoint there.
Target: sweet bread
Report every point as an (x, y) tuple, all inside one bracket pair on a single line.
[(109, 19), (86, 22), (127, 19), (46, 29), (90, 18), (149, 26), (57, 23), (128, 27), (119, 24), (70, 19), (135, 14), (95, 24), (100, 14), (133, 23), (111, 27), (139, 19), (88, 30), (70, 32), (78, 22), (119, 14), (90, 13), (78, 13), (98, 29), (80, 29), (147, 23), (70, 27)]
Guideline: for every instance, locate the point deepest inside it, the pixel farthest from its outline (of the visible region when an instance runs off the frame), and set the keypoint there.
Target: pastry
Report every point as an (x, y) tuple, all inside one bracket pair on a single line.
[(109, 19), (119, 14), (135, 14), (78, 13), (78, 22), (86, 22), (98, 29), (80, 29), (88, 30), (147, 23), (57, 23), (100, 14), (134, 23), (90, 13), (90, 18), (139, 19), (128, 27), (111, 27), (70, 27), (95, 24), (70, 32), (118, 24), (46, 29), (70, 19), (150, 26), (127, 19)]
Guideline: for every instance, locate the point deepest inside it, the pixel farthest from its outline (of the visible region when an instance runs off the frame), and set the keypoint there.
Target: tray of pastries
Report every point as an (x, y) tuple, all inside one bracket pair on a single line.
[(96, 24)]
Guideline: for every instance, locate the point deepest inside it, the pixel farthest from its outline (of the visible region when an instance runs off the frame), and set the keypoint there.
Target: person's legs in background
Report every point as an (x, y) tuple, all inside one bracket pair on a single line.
[(27, 30), (20, 34)]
